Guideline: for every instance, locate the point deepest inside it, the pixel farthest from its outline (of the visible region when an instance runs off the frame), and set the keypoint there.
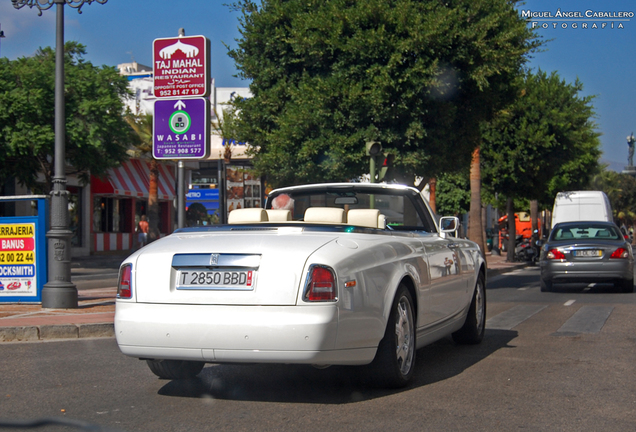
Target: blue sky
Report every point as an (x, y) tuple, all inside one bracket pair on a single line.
[(604, 59)]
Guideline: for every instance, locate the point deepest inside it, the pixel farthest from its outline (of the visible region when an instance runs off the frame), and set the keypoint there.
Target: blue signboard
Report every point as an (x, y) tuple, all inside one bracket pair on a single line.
[(209, 198), (23, 265), (202, 194)]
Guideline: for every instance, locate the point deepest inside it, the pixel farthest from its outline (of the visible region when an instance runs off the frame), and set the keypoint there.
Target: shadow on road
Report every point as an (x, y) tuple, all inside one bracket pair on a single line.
[(335, 385)]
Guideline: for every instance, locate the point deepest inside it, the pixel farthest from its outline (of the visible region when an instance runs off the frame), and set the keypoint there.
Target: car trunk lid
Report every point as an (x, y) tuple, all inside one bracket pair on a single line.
[(256, 267)]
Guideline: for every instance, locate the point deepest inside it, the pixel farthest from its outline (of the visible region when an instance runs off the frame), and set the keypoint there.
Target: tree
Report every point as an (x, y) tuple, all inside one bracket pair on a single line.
[(96, 134), (453, 194), (621, 191), (417, 76), (543, 143), (625, 202)]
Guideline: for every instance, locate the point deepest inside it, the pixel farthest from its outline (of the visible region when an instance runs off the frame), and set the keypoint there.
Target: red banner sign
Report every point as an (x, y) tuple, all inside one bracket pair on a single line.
[(181, 67)]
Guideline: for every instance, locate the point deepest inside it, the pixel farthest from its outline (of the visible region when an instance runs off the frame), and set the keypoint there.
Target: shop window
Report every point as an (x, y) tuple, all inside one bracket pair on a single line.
[(110, 215)]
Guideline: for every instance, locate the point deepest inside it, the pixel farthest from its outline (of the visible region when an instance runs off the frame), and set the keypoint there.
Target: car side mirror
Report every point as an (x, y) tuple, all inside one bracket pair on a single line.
[(449, 224)]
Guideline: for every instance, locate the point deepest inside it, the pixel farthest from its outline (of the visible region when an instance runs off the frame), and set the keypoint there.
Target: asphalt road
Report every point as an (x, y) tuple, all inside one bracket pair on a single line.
[(559, 361)]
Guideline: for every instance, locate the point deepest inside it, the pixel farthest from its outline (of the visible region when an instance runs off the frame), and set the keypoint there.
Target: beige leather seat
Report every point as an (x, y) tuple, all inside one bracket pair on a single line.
[(326, 215), (247, 215), (369, 218), (279, 215)]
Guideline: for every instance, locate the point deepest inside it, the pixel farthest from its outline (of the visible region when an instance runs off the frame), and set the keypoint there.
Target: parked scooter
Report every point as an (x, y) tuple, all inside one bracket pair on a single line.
[(524, 250)]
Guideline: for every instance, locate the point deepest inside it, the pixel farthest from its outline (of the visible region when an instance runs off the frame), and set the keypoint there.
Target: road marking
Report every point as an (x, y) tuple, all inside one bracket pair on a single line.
[(569, 303), (513, 317), (588, 319)]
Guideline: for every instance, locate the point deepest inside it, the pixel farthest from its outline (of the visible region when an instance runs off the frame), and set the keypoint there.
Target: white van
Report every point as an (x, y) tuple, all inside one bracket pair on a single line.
[(581, 206)]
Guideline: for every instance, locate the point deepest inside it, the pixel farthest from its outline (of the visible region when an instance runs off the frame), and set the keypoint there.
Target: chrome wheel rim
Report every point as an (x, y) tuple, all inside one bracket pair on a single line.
[(479, 306), (404, 335)]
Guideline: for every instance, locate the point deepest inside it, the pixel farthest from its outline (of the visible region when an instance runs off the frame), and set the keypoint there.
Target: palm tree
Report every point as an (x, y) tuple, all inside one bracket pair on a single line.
[(143, 125), (475, 226)]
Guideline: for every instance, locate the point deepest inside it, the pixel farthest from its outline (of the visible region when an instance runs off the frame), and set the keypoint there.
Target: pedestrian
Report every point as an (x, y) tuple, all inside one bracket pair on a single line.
[(283, 202), (142, 229)]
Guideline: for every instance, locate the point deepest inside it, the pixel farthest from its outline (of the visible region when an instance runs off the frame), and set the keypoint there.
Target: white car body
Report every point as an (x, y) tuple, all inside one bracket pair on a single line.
[(270, 321)]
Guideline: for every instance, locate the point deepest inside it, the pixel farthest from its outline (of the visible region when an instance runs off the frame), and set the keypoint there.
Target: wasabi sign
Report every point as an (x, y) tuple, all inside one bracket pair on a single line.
[(17, 260), (181, 129)]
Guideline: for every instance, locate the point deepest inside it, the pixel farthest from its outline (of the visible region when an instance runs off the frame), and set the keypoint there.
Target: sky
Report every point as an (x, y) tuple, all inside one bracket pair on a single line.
[(119, 31)]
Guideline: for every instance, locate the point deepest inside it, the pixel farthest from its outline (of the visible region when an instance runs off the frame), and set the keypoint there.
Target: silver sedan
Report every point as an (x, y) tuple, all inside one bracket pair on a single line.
[(587, 252)]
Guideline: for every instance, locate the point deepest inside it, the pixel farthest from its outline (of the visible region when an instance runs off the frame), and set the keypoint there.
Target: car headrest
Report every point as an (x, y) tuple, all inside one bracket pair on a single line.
[(329, 215), (275, 215), (364, 217), (247, 215)]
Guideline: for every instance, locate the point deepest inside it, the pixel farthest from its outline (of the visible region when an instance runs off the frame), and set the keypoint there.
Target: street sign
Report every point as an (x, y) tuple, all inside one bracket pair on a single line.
[(181, 129), (181, 67)]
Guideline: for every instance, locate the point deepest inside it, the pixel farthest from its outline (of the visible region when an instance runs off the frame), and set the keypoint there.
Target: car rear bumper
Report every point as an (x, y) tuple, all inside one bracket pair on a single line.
[(601, 271), (234, 334)]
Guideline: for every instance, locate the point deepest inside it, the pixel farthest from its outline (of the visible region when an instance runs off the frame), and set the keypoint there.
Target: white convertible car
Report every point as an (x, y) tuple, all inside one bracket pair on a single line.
[(353, 274)]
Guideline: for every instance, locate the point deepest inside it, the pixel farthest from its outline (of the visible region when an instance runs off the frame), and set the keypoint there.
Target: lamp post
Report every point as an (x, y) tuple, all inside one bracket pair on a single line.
[(59, 292)]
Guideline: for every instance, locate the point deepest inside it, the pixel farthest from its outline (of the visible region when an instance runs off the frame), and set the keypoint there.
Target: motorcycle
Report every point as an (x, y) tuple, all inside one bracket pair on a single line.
[(524, 250)]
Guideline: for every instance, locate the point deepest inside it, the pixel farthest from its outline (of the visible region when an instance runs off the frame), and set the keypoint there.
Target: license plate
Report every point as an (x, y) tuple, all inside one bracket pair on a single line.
[(216, 279), (588, 253)]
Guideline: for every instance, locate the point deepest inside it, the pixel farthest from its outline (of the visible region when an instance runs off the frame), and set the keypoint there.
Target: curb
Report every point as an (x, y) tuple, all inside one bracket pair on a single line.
[(56, 331), (495, 272)]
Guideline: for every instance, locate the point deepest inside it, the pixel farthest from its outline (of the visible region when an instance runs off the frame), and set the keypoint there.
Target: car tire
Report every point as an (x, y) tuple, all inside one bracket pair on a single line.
[(546, 286), (175, 369), (475, 325), (394, 361), (627, 285)]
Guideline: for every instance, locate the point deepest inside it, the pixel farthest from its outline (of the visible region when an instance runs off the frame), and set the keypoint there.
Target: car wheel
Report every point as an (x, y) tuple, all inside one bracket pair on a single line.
[(546, 285), (175, 369), (627, 285), (475, 326), (395, 359)]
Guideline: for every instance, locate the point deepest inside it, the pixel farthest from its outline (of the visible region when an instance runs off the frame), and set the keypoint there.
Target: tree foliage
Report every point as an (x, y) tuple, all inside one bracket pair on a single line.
[(621, 191), (96, 133), (545, 142), (453, 193), (417, 76)]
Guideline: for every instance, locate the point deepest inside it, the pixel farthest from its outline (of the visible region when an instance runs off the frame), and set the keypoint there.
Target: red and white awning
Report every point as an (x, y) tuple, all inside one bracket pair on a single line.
[(132, 179)]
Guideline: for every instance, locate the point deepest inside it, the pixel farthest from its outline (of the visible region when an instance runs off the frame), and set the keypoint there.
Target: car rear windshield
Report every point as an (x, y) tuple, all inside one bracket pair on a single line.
[(585, 231)]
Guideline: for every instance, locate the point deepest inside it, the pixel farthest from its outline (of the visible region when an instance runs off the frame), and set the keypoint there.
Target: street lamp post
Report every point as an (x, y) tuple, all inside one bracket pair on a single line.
[(59, 292)]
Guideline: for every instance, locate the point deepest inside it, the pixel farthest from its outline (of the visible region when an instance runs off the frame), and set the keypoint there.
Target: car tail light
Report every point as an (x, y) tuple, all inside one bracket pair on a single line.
[(124, 285), (620, 253), (320, 285), (555, 254)]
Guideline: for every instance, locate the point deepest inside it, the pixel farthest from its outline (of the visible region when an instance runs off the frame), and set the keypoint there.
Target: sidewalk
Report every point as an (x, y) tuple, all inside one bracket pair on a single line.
[(96, 280)]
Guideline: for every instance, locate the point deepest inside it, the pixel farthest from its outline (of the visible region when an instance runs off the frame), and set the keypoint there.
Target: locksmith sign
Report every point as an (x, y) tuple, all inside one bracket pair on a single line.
[(181, 129), (18, 274), (181, 67)]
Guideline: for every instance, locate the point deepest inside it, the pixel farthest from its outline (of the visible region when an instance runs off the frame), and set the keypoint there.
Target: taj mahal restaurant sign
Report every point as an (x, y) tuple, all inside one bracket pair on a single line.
[(181, 67)]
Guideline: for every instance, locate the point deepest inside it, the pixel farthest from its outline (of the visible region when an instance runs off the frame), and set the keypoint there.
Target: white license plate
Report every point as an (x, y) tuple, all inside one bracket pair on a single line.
[(216, 279), (587, 253)]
